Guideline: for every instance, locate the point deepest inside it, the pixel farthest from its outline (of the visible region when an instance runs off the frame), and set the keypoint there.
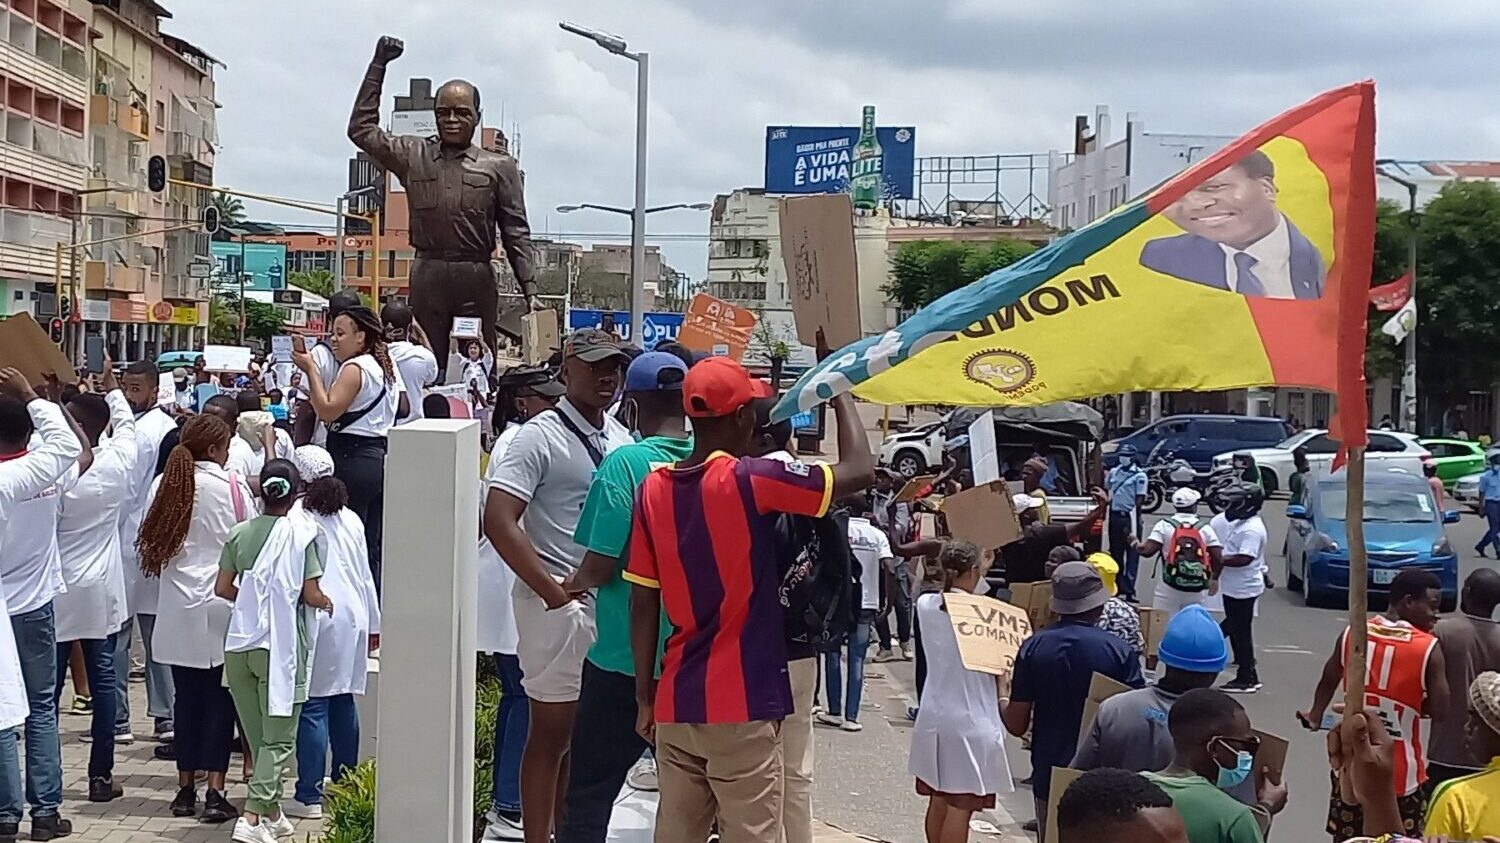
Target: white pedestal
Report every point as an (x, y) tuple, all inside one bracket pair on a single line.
[(425, 753)]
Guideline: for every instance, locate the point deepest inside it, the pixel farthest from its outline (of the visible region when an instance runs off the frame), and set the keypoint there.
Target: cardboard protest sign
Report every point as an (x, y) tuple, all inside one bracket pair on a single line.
[(538, 335), (166, 390), (1153, 627), (983, 515), (25, 347), (1036, 599), (927, 526), (914, 487), (984, 455), (817, 246), (467, 327), (716, 327), (1061, 778), (1101, 688), (1271, 756), (226, 358), (281, 349), (989, 632)]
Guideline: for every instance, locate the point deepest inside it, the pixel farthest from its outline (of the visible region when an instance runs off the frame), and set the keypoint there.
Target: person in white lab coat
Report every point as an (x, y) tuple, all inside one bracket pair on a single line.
[(92, 611), (412, 353), (153, 426), (24, 473), (344, 639), (194, 504)]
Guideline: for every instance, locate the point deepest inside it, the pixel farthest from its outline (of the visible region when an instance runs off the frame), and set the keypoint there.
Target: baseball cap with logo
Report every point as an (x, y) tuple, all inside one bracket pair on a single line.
[(1077, 588), (592, 345), (718, 386), (655, 371)]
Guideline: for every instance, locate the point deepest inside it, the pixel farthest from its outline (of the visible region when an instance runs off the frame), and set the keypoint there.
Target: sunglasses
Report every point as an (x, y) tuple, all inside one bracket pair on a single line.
[(1250, 744)]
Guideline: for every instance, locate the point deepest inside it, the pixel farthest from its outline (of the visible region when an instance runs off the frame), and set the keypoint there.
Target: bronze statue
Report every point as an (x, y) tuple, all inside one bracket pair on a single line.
[(457, 194)]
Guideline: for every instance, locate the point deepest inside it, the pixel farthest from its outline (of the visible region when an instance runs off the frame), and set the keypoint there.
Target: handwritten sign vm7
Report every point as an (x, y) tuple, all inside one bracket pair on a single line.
[(817, 246), (989, 632)]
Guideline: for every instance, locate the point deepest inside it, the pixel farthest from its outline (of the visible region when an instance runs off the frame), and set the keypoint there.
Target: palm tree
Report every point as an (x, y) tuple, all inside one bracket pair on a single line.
[(231, 211)]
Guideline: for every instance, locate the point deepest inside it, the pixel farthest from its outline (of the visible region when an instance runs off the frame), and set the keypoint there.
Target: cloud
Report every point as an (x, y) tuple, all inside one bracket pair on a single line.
[(976, 77)]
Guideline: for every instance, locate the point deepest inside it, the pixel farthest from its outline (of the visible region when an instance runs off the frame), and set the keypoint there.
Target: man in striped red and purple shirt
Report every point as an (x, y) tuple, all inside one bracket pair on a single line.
[(704, 547)]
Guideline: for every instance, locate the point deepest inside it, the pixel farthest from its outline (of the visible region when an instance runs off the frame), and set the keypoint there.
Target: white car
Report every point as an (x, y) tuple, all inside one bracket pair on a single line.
[(1388, 450), (913, 452)]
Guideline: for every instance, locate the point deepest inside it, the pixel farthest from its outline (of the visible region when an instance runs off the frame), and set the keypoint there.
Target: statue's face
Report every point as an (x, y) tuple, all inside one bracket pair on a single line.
[(456, 115)]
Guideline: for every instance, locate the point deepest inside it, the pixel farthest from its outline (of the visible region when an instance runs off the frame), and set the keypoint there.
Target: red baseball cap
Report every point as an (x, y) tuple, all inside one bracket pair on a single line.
[(718, 386)]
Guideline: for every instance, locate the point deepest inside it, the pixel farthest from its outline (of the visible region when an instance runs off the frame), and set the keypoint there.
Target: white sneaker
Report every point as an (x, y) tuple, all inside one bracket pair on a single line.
[(642, 776), (829, 719), (293, 808), (244, 832), (850, 726), (281, 827), (499, 828), (906, 652), (883, 656)]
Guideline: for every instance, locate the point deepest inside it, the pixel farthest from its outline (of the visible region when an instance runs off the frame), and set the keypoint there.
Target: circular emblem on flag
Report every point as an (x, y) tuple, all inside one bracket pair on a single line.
[(1000, 369)]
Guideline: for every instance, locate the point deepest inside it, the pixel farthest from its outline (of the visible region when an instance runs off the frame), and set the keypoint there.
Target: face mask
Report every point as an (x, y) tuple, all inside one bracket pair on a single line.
[(1229, 778), (1127, 462)]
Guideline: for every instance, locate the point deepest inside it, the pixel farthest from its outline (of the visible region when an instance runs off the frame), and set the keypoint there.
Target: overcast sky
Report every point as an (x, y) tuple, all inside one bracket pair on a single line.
[(974, 76)]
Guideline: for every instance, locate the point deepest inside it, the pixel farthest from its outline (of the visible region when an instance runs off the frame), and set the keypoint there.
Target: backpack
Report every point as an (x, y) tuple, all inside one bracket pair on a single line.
[(1185, 559), (819, 588)]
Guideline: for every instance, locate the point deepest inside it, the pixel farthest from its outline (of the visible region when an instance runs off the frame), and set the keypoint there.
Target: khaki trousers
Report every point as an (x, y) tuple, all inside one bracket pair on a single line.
[(731, 771), (797, 753)]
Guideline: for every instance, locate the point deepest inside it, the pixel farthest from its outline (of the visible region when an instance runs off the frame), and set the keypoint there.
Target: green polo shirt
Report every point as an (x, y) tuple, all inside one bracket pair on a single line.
[(1210, 814), (604, 528)]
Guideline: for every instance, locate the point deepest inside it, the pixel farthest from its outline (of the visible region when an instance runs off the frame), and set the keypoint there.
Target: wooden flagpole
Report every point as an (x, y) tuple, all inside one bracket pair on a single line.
[(1359, 572)]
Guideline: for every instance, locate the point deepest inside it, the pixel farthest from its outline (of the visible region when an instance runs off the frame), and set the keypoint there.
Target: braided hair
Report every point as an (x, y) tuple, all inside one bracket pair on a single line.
[(957, 558), (165, 527), (369, 324)]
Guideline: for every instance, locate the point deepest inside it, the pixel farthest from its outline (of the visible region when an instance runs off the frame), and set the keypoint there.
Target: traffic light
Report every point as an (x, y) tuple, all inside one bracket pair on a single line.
[(210, 219), (64, 308), (156, 173), (55, 329)]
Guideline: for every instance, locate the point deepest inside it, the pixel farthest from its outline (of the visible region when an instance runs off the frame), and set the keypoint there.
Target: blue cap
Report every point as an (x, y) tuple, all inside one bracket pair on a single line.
[(655, 371), (1194, 642), (1126, 451)]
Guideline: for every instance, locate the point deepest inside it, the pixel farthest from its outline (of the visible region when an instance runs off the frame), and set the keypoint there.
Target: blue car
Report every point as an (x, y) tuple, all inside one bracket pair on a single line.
[(1198, 438), (1403, 529)]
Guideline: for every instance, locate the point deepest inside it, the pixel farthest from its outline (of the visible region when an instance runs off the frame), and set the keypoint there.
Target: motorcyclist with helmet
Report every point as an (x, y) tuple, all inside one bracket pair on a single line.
[(1242, 535)]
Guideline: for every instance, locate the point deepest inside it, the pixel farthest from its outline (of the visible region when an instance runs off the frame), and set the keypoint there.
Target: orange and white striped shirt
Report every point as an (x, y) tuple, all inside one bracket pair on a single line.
[(1395, 689)]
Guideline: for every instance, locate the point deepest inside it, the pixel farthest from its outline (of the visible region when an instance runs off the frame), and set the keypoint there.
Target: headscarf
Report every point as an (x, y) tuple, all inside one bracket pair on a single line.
[(313, 462), (1484, 698)]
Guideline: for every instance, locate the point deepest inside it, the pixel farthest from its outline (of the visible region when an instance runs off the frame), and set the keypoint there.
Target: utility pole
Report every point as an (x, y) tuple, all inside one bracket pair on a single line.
[(1409, 373)]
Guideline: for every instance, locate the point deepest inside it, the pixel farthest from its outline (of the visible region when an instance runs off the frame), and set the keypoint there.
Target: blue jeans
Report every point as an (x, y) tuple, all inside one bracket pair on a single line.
[(36, 643), (99, 661), (325, 721), (511, 722), (1121, 526), (160, 695), (1492, 535), (10, 776), (857, 646)]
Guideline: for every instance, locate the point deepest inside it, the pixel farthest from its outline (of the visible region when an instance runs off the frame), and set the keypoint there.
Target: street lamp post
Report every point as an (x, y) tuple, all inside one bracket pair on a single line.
[(1409, 373), (617, 45)]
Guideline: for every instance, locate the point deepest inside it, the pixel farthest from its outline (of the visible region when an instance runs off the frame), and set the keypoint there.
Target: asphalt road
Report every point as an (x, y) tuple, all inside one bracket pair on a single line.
[(861, 781)]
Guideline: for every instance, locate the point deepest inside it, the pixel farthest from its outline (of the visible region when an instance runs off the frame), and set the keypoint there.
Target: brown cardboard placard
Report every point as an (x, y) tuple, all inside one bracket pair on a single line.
[(1101, 688), (1036, 599), (1153, 627), (817, 246), (27, 348), (989, 632), (983, 515), (927, 526), (1272, 755), (716, 327), (538, 336), (1061, 778), (913, 487)]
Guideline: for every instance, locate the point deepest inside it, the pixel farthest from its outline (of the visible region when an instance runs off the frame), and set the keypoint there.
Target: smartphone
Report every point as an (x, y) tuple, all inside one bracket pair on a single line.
[(299, 345), (93, 354)]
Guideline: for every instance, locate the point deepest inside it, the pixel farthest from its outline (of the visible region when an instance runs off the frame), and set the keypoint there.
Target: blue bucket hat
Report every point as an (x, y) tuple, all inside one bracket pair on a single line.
[(1194, 642)]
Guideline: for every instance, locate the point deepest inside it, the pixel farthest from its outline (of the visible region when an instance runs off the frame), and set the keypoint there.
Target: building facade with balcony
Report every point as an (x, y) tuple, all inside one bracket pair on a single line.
[(44, 46)]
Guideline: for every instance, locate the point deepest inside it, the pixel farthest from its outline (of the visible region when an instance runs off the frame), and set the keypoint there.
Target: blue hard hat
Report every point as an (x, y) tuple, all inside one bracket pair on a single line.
[(1194, 642)]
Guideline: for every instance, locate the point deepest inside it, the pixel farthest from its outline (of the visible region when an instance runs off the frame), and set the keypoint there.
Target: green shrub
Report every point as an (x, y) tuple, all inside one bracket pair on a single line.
[(349, 804)]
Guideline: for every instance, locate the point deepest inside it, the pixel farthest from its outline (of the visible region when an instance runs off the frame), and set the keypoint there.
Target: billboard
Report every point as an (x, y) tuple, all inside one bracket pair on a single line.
[(812, 159), (660, 327), (264, 262)]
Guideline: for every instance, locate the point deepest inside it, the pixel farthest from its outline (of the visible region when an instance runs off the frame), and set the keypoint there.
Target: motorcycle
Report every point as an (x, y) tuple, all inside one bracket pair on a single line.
[(1165, 474)]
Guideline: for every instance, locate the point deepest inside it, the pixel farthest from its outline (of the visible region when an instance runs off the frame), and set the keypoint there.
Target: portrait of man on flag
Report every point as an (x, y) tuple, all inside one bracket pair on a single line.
[(1237, 239)]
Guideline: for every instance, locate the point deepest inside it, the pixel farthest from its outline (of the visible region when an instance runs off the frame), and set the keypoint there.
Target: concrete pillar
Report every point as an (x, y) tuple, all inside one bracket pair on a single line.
[(1155, 406), (425, 743), (1127, 409)]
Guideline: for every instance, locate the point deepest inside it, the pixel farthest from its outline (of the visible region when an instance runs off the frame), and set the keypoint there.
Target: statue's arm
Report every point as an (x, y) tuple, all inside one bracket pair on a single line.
[(391, 151), (515, 231)]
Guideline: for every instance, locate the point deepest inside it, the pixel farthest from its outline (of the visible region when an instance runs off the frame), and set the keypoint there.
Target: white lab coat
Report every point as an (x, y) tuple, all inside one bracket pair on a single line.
[(340, 661), (270, 599), (191, 620), (93, 607), (495, 630), (56, 451), (151, 427)]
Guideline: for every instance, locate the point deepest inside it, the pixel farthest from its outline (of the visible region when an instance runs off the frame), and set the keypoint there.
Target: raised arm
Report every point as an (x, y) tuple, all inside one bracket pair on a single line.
[(29, 475), (515, 231), (364, 123)]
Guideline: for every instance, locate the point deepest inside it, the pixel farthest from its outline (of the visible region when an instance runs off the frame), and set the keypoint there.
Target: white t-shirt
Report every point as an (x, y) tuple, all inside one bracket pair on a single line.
[(872, 549), (31, 567), (547, 466), (416, 367), (495, 628), (1242, 538), (382, 416), (1162, 532)]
